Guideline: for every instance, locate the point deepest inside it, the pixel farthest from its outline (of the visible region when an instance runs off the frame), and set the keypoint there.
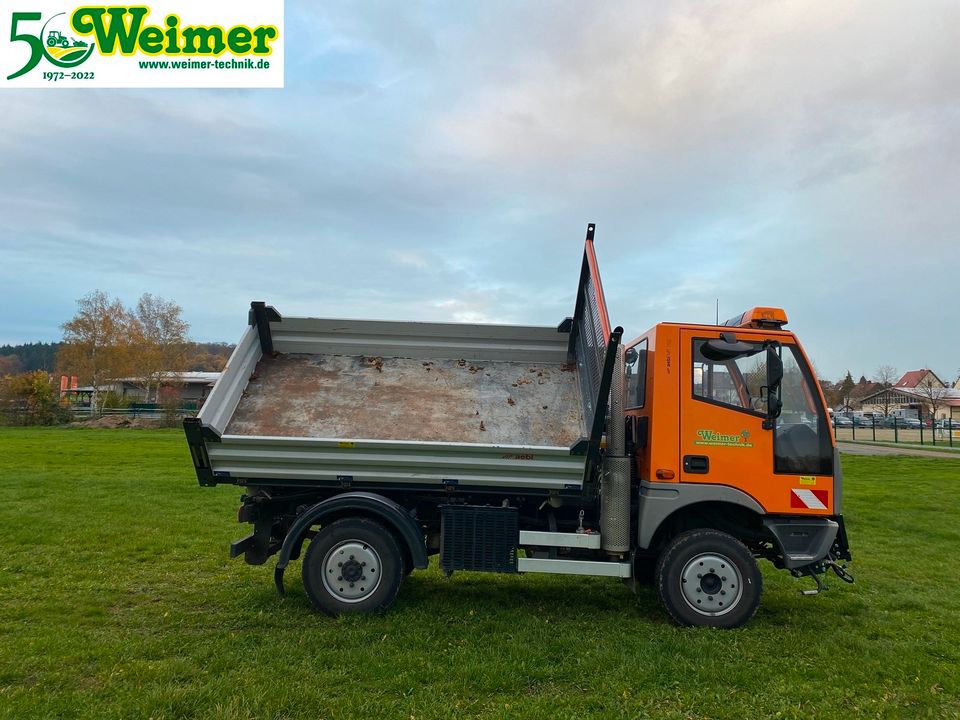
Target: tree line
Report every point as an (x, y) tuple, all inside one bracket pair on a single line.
[(145, 344), (27, 357)]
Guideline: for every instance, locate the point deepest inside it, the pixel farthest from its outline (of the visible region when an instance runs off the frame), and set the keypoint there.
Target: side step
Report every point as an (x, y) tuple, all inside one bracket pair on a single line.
[(590, 541), (574, 567)]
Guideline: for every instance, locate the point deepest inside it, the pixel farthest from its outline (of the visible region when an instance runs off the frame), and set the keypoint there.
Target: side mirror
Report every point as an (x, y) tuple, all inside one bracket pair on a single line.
[(774, 378), (630, 356), (727, 347)]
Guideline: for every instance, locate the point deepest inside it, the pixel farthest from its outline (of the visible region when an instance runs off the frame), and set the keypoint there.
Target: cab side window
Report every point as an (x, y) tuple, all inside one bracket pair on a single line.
[(736, 383), (635, 368)]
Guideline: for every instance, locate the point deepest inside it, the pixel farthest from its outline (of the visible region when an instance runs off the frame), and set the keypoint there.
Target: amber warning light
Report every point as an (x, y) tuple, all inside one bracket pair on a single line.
[(769, 318)]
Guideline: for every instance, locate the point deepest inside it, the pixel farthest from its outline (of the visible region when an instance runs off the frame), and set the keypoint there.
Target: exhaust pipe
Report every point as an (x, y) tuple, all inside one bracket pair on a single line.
[(615, 483)]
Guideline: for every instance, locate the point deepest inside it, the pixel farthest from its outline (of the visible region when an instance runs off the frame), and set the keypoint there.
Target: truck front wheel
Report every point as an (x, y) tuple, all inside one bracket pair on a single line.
[(352, 565), (708, 578)]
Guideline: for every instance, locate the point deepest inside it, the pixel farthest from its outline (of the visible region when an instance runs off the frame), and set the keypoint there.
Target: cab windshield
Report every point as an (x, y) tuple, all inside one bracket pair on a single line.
[(802, 441)]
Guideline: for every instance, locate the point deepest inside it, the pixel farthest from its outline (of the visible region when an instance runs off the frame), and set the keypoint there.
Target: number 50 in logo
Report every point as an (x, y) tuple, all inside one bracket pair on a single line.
[(54, 43)]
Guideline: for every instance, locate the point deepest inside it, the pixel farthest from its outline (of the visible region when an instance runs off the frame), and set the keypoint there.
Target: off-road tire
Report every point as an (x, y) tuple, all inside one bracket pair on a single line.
[(323, 554), (705, 556)]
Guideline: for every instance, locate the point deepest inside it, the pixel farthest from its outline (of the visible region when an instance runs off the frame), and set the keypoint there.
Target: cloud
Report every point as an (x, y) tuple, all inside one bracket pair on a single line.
[(437, 163)]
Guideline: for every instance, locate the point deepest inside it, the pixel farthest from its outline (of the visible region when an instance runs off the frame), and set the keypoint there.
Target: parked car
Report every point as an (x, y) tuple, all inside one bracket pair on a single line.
[(908, 423), (948, 424), (841, 421), (863, 420)]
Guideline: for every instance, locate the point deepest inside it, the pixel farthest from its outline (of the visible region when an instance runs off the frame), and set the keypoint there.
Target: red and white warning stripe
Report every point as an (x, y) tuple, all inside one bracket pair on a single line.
[(809, 499)]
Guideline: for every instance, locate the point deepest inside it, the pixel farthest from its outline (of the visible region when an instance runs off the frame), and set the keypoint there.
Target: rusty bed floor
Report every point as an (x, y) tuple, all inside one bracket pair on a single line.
[(356, 397)]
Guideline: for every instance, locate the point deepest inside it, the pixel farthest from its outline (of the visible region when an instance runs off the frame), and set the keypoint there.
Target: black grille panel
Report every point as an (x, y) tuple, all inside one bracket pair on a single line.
[(478, 537), (591, 348)]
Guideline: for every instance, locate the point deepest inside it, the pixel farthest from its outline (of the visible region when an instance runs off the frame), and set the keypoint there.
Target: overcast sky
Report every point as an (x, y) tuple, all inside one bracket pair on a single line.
[(441, 162)]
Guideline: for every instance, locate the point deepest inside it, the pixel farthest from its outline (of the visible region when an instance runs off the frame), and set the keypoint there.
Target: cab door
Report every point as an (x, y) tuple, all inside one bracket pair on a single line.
[(722, 412), (725, 435)]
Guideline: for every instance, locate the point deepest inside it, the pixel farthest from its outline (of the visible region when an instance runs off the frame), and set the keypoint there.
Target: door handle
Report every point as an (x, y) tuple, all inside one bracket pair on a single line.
[(697, 464)]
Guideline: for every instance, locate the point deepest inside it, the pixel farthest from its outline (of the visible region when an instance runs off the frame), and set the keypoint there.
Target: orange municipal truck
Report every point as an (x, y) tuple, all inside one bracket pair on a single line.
[(680, 457)]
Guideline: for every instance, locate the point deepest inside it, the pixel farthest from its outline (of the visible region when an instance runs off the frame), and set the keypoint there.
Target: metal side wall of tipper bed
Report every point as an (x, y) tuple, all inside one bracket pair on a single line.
[(352, 462)]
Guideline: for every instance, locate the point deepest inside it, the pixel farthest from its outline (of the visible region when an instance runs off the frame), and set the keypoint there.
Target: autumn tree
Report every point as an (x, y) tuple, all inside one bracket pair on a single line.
[(159, 334), (208, 357), (10, 365), (96, 343), (830, 392), (30, 399)]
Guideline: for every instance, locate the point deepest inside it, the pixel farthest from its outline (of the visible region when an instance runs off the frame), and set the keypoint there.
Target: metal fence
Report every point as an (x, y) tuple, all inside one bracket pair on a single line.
[(899, 430), (138, 411)]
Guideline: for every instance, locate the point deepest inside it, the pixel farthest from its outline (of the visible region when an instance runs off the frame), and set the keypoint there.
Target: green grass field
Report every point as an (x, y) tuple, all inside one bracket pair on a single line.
[(118, 600)]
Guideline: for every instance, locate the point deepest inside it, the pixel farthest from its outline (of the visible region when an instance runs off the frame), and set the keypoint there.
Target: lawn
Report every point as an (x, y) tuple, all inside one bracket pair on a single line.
[(118, 600)]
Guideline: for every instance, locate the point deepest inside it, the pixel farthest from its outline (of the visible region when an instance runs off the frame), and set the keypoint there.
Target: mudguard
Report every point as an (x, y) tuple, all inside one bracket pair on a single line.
[(367, 504), (658, 501)]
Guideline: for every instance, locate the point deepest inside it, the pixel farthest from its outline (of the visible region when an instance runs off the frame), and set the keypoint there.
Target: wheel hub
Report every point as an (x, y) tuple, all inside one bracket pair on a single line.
[(351, 571), (711, 584)]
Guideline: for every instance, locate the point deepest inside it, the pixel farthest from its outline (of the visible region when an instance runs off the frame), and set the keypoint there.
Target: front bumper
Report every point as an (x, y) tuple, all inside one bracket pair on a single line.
[(803, 541)]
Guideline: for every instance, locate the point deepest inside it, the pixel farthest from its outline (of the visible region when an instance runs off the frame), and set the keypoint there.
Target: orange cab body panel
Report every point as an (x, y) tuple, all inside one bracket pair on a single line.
[(695, 439)]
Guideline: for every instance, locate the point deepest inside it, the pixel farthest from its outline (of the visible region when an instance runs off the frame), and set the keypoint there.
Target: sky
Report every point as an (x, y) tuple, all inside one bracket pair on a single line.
[(440, 161)]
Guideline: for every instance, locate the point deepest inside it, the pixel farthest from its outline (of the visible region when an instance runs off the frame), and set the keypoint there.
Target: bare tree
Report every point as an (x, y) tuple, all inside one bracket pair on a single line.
[(96, 343), (160, 335), (932, 392), (885, 376), (845, 390)]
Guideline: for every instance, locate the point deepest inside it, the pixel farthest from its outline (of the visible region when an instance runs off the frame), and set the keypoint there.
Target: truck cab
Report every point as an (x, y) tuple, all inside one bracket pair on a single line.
[(728, 428), (714, 383)]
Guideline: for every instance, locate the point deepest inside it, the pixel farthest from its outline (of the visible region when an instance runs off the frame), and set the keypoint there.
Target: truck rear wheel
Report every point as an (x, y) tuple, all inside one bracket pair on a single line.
[(708, 578), (352, 565)]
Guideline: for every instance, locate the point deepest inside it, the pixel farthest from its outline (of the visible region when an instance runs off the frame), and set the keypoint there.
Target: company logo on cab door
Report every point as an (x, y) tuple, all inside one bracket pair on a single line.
[(713, 438)]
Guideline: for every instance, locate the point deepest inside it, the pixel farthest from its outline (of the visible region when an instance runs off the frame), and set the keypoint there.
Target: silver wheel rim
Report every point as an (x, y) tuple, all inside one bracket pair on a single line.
[(351, 571), (710, 584)]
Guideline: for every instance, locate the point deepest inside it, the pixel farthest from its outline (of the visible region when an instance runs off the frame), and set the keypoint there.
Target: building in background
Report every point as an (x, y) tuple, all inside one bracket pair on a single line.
[(914, 395), (188, 389), (919, 378)]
